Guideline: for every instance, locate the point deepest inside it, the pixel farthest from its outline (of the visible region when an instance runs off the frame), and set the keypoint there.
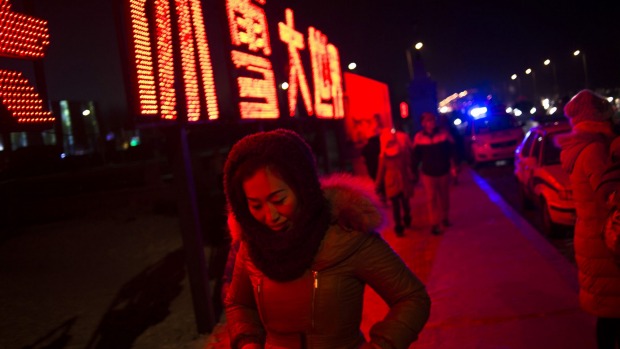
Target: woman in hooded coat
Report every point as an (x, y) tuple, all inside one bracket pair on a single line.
[(308, 249), (585, 156)]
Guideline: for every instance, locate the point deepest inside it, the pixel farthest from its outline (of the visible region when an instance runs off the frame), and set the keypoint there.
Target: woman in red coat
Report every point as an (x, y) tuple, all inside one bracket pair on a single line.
[(585, 155), (308, 249)]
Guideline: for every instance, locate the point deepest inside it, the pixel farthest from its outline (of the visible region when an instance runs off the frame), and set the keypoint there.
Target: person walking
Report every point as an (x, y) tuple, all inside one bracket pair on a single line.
[(395, 177), (434, 158), (309, 246), (585, 156)]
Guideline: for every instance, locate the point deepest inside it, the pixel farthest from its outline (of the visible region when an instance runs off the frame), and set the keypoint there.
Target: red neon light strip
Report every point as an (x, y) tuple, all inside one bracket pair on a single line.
[(21, 100), (187, 59), (336, 77), (21, 36), (204, 59), (147, 98), (165, 60)]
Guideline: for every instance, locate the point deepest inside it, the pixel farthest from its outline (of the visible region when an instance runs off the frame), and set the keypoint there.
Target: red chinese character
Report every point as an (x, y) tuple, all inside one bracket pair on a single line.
[(248, 25), (255, 77), (328, 98), (296, 75)]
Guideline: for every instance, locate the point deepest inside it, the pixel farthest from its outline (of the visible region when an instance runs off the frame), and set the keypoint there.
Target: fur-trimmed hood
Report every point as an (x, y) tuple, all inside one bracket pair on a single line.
[(583, 134), (354, 203)]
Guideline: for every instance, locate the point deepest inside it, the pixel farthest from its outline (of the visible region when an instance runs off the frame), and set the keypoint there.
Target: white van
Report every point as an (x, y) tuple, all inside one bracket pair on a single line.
[(492, 138)]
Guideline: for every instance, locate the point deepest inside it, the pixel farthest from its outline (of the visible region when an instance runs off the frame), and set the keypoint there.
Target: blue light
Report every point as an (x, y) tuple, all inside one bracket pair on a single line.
[(478, 112)]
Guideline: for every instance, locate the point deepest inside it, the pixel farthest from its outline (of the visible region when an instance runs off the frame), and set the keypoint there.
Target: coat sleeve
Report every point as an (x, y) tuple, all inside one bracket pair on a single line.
[(409, 303), (596, 157), (243, 321)]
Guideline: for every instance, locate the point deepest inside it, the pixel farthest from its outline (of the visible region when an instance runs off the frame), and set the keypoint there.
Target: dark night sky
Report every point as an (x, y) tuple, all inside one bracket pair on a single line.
[(477, 43), (467, 44)]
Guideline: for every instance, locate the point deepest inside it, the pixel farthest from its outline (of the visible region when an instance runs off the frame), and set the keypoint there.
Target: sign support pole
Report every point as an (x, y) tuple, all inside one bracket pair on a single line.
[(189, 220), (190, 230)]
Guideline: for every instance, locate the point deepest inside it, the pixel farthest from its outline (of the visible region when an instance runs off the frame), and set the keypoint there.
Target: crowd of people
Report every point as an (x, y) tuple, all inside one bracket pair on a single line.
[(396, 164)]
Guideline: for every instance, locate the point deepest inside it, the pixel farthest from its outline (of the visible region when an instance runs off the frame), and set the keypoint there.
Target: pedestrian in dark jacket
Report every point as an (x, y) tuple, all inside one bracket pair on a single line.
[(585, 156), (308, 249), (434, 158)]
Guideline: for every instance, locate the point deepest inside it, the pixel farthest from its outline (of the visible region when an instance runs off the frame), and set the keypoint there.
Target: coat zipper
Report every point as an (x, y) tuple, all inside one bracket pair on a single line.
[(315, 276)]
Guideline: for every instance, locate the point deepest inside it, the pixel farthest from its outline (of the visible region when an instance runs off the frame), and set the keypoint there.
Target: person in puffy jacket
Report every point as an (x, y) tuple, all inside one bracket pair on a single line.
[(309, 246), (585, 156), (433, 156)]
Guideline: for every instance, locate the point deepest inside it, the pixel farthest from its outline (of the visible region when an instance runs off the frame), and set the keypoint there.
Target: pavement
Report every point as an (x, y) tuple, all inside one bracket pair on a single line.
[(112, 276)]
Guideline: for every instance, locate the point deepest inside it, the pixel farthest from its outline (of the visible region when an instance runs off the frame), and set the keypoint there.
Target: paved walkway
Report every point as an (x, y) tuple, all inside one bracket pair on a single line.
[(494, 281)]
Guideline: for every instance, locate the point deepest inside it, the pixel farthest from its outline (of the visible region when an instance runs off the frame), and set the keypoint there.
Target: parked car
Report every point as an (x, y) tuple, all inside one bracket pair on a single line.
[(492, 138), (543, 184)]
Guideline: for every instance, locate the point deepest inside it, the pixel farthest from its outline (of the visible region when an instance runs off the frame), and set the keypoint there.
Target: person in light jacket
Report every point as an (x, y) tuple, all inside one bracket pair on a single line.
[(309, 246), (395, 176), (585, 156)]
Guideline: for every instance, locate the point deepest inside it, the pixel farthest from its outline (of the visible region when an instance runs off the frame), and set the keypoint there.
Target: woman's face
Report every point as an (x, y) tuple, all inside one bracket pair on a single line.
[(270, 200)]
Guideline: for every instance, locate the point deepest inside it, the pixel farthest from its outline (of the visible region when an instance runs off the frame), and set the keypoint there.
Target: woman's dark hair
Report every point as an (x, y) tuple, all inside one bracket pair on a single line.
[(284, 152), (279, 256)]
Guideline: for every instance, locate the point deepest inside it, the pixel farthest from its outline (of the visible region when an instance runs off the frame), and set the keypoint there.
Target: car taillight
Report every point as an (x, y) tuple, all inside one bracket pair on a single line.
[(566, 194)]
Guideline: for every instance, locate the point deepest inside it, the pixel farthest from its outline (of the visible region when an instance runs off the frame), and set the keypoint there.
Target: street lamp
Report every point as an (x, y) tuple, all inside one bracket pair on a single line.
[(529, 71), (417, 46), (555, 76), (585, 67)]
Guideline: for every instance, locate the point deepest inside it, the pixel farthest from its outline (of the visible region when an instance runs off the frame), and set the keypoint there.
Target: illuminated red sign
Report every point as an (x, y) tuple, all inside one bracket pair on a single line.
[(255, 79), (24, 37), (156, 25), (365, 99), (155, 81)]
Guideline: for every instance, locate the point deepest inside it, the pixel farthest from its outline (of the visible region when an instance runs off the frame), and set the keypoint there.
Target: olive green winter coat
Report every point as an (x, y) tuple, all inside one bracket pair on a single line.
[(323, 308)]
